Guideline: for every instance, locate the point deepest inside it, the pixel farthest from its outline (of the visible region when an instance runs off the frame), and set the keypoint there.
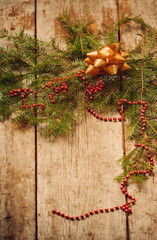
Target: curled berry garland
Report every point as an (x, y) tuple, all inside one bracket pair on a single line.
[(90, 91), (126, 207)]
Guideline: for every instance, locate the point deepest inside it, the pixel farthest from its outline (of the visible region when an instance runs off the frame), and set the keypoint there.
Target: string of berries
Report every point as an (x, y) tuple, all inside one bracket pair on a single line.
[(126, 207), (62, 88)]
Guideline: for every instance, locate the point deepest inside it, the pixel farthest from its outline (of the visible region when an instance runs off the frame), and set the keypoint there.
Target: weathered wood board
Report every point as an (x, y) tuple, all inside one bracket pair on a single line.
[(143, 221), (17, 199), (17, 149), (75, 174)]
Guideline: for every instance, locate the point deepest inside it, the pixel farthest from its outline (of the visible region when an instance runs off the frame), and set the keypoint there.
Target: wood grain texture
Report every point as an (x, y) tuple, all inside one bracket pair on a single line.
[(130, 32), (17, 185), (16, 15), (48, 11), (143, 221), (76, 176), (17, 219)]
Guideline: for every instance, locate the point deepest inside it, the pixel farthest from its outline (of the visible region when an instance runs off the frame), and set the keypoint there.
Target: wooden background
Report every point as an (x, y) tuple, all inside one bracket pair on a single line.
[(73, 174)]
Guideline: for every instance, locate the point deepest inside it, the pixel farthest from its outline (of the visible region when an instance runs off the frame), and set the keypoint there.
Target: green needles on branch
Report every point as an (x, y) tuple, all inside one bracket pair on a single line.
[(40, 83)]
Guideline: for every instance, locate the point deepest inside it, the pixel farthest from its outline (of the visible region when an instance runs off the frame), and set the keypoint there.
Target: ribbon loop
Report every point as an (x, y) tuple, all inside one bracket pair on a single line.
[(108, 59)]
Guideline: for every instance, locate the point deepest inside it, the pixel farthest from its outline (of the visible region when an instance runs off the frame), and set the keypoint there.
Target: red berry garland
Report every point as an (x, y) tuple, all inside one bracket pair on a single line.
[(90, 91), (127, 206)]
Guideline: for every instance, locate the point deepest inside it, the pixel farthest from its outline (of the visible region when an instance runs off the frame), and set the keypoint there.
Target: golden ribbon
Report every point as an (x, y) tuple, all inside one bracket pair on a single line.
[(107, 60)]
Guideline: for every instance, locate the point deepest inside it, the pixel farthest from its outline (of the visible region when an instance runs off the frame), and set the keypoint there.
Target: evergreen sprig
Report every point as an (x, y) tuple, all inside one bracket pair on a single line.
[(27, 63)]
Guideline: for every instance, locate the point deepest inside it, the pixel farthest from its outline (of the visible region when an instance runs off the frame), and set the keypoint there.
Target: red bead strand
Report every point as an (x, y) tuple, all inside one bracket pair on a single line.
[(90, 91)]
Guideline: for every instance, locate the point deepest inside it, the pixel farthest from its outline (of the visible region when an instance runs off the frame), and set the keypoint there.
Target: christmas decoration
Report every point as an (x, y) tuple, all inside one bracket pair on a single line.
[(126, 207), (107, 60), (47, 86)]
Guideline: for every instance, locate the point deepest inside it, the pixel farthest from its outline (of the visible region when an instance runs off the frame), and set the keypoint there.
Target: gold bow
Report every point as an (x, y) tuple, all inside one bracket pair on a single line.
[(107, 60)]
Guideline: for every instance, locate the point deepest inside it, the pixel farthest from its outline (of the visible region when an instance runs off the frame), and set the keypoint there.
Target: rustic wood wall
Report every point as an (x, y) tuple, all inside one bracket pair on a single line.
[(74, 174)]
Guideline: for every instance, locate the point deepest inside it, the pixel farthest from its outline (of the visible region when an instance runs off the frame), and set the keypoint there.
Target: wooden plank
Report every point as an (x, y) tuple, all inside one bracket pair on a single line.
[(147, 10), (48, 11), (143, 220), (17, 182), (17, 201), (75, 175), (17, 14)]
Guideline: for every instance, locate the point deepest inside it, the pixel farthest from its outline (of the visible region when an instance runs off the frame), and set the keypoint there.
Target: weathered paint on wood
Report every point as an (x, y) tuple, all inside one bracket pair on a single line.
[(97, 12), (76, 174), (16, 15), (17, 150), (130, 32), (143, 221), (17, 201)]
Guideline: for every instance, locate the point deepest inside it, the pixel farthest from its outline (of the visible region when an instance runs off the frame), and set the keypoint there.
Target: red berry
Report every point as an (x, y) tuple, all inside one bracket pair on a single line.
[(116, 207)]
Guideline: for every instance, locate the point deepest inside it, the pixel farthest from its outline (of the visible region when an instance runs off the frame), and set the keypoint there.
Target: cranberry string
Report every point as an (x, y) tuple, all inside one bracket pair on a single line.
[(90, 91), (126, 207)]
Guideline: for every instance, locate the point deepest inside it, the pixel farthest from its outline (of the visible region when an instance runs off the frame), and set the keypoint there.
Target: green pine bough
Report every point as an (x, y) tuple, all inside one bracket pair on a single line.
[(39, 83)]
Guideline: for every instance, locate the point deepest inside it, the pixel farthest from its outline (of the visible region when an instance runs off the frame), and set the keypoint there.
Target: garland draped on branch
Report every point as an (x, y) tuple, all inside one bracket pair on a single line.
[(39, 83)]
